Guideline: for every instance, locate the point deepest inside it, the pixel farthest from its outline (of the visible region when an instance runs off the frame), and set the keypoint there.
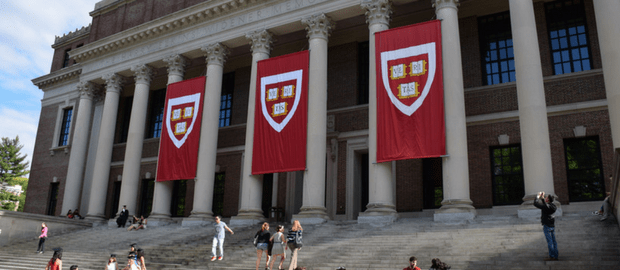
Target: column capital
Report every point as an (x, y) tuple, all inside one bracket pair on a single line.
[(439, 4), (378, 11), (260, 41), (87, 90), (113, 82), (143, 73), (176, 64), (318, 26), (215, 53)]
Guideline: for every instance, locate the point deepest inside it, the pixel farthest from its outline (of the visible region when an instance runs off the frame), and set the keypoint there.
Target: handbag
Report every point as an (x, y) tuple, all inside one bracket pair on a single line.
[(255, 242), (298, 240)]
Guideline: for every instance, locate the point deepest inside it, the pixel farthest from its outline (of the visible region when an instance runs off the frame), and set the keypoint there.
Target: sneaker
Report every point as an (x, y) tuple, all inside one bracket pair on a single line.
[(603, 218), (595, 213), (213, 258), (220, 258)]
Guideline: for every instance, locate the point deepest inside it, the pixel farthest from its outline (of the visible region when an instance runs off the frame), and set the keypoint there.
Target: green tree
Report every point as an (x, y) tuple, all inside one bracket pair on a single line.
[(12, 163)]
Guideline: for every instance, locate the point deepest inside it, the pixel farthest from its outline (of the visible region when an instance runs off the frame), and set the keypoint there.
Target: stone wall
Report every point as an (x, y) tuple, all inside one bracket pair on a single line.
[(18, 226)]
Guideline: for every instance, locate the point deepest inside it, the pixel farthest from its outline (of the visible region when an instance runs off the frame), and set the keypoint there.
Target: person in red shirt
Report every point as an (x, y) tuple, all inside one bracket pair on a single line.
[(413, 262)]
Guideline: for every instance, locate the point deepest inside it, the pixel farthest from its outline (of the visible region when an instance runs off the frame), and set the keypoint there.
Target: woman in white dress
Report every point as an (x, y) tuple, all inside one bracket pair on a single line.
[(279, 245)]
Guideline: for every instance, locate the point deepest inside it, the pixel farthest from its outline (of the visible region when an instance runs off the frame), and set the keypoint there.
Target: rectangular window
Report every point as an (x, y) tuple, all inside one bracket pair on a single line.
[(228, 87), (158, 101), (65, 127), (507, 174), (362, 72), (497, 55), (65, 61), (568, 36), (584, 169)]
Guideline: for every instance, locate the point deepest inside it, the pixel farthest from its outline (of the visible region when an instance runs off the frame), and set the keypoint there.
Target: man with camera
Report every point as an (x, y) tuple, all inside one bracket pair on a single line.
[(547, 208)]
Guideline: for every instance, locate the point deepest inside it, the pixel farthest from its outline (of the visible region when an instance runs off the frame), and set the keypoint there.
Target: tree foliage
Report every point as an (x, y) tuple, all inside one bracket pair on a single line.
[(12, 163)]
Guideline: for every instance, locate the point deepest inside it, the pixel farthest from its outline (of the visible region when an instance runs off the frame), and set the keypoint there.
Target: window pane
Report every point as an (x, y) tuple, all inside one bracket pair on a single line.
[(496, 48), (566, 25)]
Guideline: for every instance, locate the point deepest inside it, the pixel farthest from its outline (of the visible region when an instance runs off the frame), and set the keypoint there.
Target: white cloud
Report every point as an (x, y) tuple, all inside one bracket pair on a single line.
[(26, 36)]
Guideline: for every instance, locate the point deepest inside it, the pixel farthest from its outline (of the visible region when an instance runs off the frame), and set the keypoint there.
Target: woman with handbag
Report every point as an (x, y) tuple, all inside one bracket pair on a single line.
[(262, 244), (278, 241), (294, 243)]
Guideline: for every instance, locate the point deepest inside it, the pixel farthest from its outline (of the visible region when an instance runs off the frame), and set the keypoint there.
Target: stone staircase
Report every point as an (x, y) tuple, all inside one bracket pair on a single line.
[(487, 242)]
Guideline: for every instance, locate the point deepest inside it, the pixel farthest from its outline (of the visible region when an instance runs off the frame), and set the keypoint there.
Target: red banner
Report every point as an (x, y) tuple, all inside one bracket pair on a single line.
[(180, 131), (281, 114), (410, 113)]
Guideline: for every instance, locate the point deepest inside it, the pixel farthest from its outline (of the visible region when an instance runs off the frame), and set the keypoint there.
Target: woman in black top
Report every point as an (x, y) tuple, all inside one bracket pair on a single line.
[(262, 244)]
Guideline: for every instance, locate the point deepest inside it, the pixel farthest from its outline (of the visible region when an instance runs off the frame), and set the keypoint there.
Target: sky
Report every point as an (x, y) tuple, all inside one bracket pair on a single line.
[(27, 32)]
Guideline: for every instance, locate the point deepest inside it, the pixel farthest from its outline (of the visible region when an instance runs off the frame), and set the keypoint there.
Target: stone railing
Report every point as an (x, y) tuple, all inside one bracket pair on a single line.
[(18, 226)]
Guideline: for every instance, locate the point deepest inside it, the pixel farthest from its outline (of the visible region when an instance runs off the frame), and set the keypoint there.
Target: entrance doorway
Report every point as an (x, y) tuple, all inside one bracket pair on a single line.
[(432, 183), (53, 199), (116, 195), (218, 194), (146, 203), (584, 169), (179, 190), (267, 193)]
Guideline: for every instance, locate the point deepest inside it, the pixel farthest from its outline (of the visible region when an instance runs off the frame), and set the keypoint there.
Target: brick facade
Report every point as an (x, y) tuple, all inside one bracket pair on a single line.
[(350, 116)]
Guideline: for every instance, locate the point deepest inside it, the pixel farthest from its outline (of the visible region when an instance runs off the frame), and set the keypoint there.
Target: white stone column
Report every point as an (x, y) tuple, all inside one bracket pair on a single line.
[(101, 172), (79, 145), (381, 204), (607, 21), (162, 195), (202, 212), (456, 204), (313, 209), (135, 139), (535, 146), (250, 211)]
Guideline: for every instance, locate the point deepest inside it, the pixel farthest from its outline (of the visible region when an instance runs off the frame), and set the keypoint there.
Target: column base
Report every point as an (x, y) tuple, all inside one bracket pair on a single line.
[(198, 219), (156, 219), (311, 215), (527, 210), (95, 218), (378, 214), (247, 217), (455, 211)]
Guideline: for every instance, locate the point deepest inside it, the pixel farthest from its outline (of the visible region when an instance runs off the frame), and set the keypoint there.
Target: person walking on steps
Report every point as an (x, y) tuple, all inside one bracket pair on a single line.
[(112, 265), (42, 238), (278, 248), (547, 208), (294, 242), (413, 264), (55, 262), (262, 244), (218, 238)]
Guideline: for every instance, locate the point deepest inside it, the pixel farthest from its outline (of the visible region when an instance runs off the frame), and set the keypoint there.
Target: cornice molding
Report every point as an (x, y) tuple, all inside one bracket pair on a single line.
[(378, 11), (58, 76), (318, 26), (215, 54), (71, 36), (170, 23), (260, 41)]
